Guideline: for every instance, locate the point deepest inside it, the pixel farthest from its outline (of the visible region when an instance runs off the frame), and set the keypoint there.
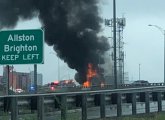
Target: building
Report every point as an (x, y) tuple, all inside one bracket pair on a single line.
[(22, 81), (19, 80)]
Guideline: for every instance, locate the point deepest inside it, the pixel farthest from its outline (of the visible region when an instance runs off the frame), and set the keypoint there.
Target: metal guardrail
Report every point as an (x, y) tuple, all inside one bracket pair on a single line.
[(82, 97), (46, 89), (141, 85), (98, 89)]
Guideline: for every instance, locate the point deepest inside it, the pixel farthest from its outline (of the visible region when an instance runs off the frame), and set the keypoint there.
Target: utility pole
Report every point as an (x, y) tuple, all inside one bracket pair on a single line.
[(117, 25), (114, 43)]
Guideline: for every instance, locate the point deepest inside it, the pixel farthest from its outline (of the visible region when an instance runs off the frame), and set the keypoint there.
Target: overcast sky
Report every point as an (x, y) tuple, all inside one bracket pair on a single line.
[(143, 44)]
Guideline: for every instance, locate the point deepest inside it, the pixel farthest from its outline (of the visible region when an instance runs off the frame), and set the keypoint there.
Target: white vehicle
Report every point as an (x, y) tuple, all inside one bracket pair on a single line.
[(18, 90)]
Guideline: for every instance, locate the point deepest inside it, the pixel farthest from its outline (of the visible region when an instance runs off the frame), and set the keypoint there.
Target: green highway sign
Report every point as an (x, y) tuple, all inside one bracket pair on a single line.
[(21, 46)]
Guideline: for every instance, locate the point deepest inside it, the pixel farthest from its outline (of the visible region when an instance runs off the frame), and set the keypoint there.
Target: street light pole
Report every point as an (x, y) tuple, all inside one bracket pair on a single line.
[(163, 32), (164, 54), (139, 71), (114, 43)]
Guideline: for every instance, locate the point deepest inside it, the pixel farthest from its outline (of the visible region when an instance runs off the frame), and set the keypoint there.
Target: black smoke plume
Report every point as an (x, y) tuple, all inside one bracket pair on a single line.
[(71, 27)]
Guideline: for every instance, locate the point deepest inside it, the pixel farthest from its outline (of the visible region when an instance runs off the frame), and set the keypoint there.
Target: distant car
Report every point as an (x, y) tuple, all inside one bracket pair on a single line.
[(19, 91), (140, 82)]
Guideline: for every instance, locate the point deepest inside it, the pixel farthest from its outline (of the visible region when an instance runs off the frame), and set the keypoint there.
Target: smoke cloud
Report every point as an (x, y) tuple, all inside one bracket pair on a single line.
[(71, 27)]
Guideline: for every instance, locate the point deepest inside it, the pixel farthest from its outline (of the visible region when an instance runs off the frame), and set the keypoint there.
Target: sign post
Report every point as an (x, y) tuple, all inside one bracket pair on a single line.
[(21, 47)]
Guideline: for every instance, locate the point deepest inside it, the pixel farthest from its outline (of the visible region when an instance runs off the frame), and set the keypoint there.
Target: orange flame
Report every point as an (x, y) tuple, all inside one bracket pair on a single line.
[(90, 74), (86, 84)]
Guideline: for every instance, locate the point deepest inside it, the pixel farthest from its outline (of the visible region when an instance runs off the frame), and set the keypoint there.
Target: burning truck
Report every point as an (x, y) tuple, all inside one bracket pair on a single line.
[(72, 27)]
